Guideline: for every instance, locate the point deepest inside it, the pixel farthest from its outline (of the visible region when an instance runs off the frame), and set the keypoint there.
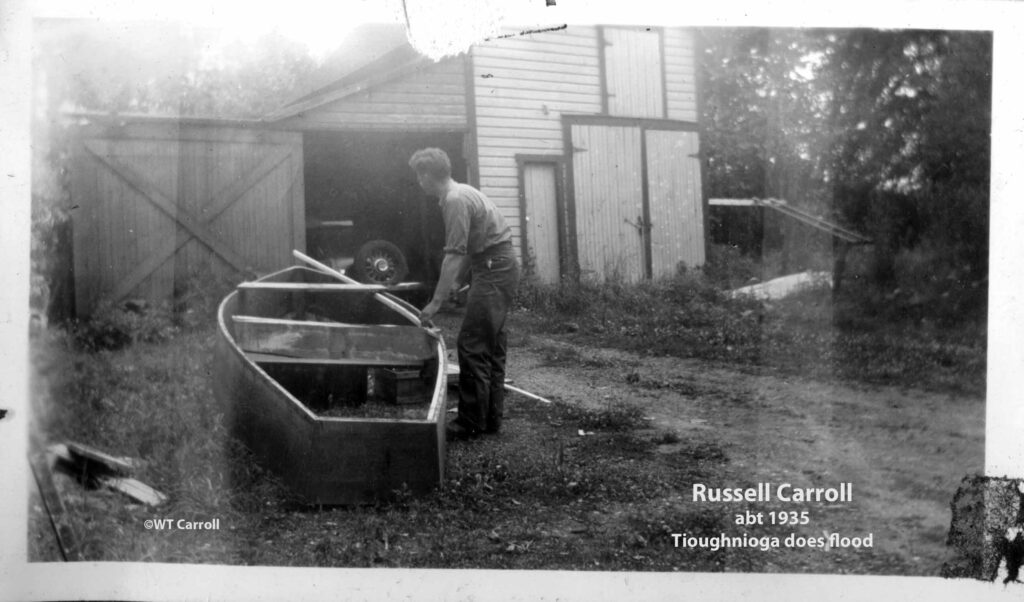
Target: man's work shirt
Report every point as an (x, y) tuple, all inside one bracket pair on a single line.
[(471, 221)]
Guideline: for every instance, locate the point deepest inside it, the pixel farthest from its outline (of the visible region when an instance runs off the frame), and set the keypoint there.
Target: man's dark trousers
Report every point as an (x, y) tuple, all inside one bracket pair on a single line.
[(482, 341)]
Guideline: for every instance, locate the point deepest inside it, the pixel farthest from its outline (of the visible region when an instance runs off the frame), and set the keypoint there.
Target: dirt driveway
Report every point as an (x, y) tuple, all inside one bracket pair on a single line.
[(903, 451)]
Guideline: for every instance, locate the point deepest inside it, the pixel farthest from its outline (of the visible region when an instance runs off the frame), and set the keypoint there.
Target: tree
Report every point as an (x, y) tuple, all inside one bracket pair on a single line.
[(888, 130), (148, 68), (910, 120)]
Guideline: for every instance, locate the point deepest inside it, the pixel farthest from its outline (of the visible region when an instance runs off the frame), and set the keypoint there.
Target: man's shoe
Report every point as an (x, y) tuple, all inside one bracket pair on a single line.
[(493, 424), (455, 431)]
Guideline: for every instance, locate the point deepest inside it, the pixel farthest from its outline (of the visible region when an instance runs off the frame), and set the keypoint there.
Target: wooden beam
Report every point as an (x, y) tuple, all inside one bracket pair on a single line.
[(800, 215), (92, 459), (53, 504), (731, 202), (378, 343), (270, 358), (135, 489), (526, 393), (311, 287)]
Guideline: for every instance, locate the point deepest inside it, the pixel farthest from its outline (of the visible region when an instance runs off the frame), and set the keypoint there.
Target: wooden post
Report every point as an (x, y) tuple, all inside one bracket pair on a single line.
[(839, 250)]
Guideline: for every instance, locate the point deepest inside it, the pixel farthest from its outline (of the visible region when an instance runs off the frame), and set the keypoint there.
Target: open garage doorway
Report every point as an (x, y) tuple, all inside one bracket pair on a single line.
[(365, 213)]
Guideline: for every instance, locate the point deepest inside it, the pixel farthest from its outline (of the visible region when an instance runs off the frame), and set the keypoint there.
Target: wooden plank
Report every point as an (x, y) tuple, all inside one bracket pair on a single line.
[(495, 72), (586, 47), (297, 198), (94, 460), (578, 99), (175, 128), (455, 107), (526, 393), (370, 120), (524, 121), (316, 124), (378, 343), (135, 489), (405, 94), (573, 35), (732, 202), (67, 539), (584, 58), (311, 287), (270, 358)]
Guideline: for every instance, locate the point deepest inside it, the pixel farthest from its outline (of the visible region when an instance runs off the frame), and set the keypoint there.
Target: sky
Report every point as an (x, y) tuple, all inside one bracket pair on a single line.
[(440, 27), (245, 21)]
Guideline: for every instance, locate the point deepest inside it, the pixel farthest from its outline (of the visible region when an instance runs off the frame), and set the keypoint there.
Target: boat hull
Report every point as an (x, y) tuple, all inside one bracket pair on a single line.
[(325, 459)]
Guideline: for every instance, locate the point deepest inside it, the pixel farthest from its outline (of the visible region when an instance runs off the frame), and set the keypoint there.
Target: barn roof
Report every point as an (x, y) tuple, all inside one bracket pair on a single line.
[(371, 53)]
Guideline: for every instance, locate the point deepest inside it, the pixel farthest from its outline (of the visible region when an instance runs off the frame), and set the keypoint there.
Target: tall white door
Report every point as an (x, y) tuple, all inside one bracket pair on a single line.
[(674, 197), (540, 189), (607, 182)]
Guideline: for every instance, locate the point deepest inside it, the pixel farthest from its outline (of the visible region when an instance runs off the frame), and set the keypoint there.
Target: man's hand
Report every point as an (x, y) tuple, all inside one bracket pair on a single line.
[(427, 313), (453, 265)]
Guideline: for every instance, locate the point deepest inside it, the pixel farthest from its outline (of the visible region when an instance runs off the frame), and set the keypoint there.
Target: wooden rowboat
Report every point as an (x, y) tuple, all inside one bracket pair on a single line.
[(298, 355)]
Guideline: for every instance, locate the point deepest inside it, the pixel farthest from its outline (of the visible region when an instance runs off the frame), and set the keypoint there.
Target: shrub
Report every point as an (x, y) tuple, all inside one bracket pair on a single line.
[(566, 297), (728, 267), (113, 327)]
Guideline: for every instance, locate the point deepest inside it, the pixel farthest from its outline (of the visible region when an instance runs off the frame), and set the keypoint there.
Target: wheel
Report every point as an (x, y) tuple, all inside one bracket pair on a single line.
[(379, 262)]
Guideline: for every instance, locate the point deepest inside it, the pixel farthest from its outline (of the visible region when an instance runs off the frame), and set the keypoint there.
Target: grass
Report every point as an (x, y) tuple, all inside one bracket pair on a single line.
[(864, 335), (538, 496)]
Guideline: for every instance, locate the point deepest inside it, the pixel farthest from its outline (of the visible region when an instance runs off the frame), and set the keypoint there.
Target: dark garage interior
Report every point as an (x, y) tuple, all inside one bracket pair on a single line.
[(360, 190)]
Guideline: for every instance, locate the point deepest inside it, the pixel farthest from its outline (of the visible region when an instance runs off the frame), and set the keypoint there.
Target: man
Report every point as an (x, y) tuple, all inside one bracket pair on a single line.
[(478, 242)]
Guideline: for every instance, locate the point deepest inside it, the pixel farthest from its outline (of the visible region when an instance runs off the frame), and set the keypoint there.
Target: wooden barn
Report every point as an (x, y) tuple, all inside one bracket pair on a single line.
[(585, 137)]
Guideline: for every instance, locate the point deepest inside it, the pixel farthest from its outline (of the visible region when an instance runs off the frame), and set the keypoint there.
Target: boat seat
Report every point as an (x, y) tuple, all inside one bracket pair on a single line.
[(270, 358), (270, 340)]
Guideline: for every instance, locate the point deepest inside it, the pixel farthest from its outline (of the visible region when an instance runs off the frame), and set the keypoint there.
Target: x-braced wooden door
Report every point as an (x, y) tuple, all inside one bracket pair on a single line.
[(160, 208)]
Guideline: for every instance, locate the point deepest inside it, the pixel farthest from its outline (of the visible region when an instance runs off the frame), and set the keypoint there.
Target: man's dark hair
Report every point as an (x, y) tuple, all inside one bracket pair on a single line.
[(431, 161)]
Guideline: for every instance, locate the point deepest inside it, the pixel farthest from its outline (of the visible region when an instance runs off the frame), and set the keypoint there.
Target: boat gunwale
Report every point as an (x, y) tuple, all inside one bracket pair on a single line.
[(434, 412)]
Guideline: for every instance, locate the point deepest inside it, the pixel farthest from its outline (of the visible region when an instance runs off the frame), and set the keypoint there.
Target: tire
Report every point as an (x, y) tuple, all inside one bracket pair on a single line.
[(379, 262)]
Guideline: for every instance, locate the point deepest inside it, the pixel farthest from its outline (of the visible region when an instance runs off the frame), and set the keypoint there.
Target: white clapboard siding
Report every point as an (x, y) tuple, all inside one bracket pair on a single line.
[(681, 74), (609, 201), (674, 194), (431, 98), (522, 86), (633, 72)]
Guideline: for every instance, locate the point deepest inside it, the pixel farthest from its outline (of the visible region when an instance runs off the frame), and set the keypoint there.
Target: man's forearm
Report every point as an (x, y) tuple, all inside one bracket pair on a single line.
[(452, 269)]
